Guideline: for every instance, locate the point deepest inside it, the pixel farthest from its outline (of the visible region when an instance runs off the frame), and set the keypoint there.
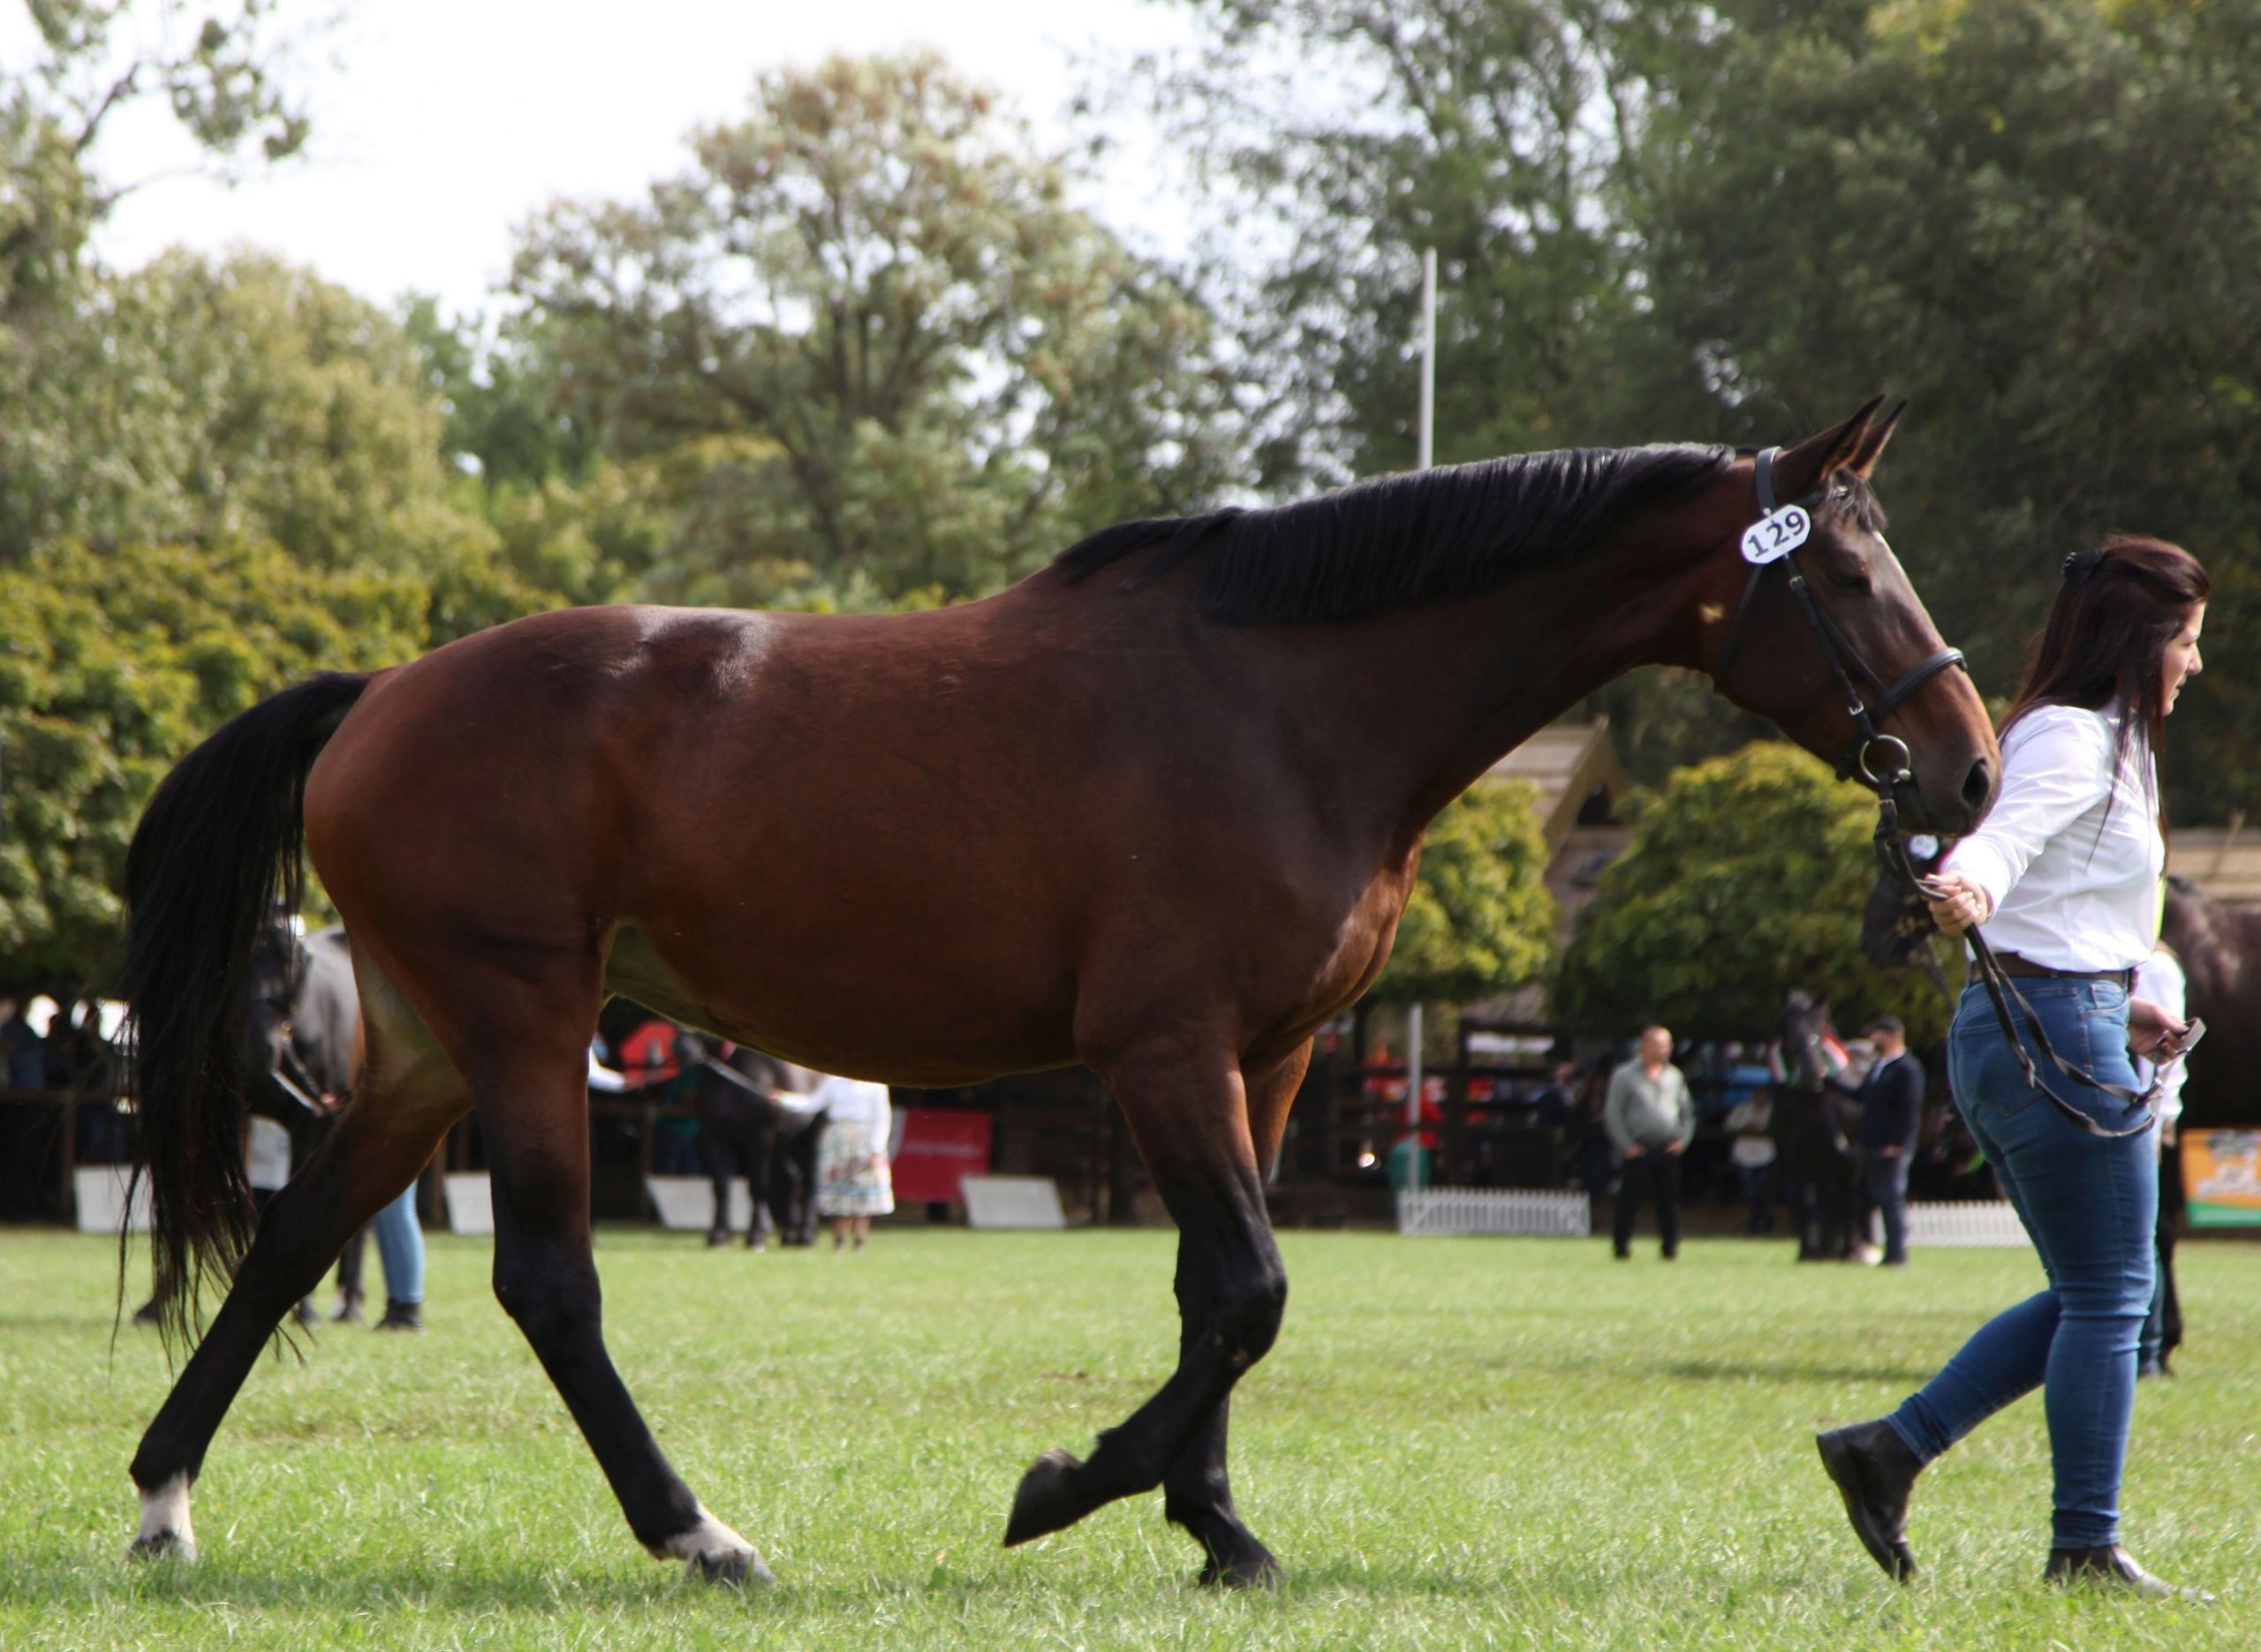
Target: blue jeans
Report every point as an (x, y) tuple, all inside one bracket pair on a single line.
[(1887, 1181), (400, 1247), (2090, 1206)]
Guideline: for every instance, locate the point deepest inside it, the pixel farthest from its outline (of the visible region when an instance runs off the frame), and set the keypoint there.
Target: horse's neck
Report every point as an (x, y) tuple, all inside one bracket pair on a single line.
[(1421, 702)]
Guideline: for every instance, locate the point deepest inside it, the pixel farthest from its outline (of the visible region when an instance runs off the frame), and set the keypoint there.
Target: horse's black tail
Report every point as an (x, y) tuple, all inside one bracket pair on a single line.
[(217, 849)]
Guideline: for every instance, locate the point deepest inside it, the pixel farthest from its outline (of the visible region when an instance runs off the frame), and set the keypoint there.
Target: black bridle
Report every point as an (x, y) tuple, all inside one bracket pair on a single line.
[(1838, 653), (1845, 663)]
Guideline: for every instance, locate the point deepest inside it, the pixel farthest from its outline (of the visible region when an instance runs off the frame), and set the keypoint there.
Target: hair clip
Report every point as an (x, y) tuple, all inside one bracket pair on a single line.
[(2081, 566)]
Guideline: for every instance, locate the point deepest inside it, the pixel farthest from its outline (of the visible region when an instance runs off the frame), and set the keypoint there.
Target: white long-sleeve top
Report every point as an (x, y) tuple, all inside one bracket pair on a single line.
[(2074, 881), (857, 1101)]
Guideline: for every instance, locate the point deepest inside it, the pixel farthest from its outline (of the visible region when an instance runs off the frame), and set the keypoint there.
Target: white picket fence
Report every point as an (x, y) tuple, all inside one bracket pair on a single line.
[(1973, 1224), (1493, 1211)]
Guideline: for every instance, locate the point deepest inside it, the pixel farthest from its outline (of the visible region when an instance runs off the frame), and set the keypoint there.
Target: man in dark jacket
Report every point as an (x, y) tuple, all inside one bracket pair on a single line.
[(1891, 1107)]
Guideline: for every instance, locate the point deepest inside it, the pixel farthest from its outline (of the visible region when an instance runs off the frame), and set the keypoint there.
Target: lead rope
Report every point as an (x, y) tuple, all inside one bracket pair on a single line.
[(2003, 993)]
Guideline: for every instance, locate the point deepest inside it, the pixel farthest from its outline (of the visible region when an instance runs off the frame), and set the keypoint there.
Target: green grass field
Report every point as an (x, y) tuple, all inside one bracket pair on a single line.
[(1457, 1443)]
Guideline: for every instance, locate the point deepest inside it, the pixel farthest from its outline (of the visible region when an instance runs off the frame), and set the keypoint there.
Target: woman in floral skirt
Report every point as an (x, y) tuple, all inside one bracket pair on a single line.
[(853, 1183)]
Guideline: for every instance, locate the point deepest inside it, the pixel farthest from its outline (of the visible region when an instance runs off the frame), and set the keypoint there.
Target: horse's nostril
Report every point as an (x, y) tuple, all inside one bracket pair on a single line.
[(1978, 787)]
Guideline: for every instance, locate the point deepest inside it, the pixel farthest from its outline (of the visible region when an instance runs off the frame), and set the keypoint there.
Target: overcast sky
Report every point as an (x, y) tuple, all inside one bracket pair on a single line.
[(444, 122)]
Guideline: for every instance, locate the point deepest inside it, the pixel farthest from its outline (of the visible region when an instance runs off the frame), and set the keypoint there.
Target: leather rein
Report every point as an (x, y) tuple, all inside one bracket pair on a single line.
[(1882, 761)]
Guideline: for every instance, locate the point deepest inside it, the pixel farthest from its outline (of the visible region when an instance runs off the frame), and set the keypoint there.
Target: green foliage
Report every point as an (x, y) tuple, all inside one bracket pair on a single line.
[(1746, 876), (231, 398), (2039, 219), (1480, 921), (91, 61), (111, 665), (864, 348)]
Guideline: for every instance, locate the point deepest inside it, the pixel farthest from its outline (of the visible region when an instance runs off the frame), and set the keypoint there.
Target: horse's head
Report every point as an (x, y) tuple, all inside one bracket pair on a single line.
[(1834, 646), (1798, 1030), (278, 966)]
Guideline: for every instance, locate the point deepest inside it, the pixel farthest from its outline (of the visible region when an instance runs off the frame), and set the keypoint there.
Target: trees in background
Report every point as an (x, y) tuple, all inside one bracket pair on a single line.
[(2037, 219), (1746, 876), (114, 662), (863, 350), (1479, 922), (1738, 220)]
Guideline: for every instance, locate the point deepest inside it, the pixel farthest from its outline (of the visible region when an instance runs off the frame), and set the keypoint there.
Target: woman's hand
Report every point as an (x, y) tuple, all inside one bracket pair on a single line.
[(1957, 902), (2152, 1032)]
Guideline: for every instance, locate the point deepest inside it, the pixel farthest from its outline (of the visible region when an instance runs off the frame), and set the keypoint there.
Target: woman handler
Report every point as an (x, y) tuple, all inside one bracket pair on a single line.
[(2063, 879)]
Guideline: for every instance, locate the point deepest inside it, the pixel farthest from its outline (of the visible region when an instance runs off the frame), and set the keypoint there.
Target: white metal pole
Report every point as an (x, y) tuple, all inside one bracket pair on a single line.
[(1428, 357), (1413, 1098), (1427, 457)]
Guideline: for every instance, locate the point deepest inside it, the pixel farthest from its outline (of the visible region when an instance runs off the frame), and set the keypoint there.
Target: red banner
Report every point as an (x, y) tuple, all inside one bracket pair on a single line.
[(939, 1145)]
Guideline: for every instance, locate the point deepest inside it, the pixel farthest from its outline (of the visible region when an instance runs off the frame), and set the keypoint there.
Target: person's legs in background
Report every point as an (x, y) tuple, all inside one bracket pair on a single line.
[(400, 1248), (1887, 1184), (1665, 1168), (1632, 1179)]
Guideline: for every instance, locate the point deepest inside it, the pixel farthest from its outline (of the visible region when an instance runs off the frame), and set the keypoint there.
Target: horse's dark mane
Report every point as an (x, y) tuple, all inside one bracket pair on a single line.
[(1426, 534)]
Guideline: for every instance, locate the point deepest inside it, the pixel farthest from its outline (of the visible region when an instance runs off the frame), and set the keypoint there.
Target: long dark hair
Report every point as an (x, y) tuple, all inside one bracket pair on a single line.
[(2105, 640)]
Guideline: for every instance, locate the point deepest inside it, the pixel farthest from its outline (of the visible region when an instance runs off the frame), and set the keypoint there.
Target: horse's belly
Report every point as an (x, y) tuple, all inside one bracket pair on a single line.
[(898, 1017)]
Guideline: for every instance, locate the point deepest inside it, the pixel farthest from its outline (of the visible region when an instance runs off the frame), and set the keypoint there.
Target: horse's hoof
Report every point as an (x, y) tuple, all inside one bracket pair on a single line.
[(1254, 1571), (728, 1568), (1047, 1500), (165, 1545)]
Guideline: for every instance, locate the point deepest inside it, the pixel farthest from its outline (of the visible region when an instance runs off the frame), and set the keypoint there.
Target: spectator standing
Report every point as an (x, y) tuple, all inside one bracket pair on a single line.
[(1752, 1152), (853, 1179), (1892, 1115), (1651, 1118)]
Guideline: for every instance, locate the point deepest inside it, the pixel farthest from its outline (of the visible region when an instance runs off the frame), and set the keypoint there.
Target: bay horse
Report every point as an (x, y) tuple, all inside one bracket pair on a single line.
[(1162, 823)]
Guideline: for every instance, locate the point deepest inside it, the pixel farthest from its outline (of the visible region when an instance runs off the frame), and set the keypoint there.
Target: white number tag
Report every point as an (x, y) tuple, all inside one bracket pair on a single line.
[(1776, 534)]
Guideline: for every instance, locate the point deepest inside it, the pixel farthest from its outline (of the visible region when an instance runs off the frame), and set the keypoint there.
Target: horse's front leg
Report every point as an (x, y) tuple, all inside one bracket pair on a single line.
[(1196, 1492), (1188, 1109)]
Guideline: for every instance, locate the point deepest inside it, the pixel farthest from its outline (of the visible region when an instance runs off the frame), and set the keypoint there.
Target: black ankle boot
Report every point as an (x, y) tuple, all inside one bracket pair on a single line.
[(2112, 1567), (1874, 1471), (402, 1317)]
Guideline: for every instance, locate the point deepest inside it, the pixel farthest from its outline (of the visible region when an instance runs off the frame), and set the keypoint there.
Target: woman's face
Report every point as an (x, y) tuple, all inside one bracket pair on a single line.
[(2181, 660)]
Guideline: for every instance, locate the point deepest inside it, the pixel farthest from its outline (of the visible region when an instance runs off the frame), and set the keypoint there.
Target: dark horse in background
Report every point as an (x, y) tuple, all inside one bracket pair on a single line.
[(1816, 1125), (301, 1043), (748, 1121), (2220, 949), (1157, 808)]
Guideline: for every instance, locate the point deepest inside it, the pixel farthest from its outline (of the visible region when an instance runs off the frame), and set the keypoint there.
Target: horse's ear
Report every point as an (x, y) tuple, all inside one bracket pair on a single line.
[(1798, 471), (1872, 447)]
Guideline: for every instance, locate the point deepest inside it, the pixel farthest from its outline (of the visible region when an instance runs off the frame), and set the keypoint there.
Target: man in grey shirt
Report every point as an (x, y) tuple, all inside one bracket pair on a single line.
[(1650, 1120)]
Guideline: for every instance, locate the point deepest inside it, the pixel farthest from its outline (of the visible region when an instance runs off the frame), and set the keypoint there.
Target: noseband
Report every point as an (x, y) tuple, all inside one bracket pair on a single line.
[(1880, 759)]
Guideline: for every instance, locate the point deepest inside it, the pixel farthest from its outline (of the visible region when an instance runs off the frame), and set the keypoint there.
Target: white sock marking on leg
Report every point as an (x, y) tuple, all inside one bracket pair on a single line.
[(166, 1510)]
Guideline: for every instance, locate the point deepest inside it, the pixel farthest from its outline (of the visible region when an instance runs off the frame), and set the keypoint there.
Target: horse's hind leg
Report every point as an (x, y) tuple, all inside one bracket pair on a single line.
[(380, 1141), (1196, 1492), (1185, 1100), (528, 1081)]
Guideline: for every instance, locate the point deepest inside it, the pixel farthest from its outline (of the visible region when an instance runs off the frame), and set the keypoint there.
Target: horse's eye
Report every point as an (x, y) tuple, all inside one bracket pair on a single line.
[(1849, 578)]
